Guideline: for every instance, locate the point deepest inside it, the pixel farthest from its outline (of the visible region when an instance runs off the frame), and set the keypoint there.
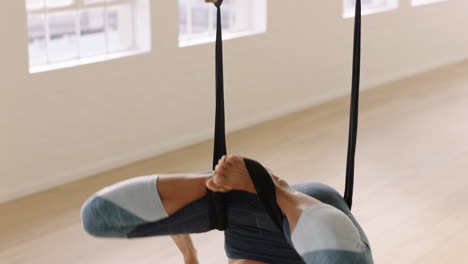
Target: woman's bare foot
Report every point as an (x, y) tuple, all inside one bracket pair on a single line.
[(231, 174)]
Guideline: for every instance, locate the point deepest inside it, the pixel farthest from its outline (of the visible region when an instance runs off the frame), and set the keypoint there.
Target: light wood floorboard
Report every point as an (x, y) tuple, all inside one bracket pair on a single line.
[(411, 192)]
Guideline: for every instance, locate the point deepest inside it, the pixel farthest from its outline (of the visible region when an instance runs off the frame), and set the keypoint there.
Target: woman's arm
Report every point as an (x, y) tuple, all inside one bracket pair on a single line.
[(186, 247)]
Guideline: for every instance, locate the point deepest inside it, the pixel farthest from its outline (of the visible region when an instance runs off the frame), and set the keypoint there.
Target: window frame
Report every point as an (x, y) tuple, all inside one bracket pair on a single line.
[(426, 2), (349, 10), (258, 22), (77, 7)]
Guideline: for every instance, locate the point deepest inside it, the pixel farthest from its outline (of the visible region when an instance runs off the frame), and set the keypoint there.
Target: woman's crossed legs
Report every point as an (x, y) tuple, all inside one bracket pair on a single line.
[(176, 204)]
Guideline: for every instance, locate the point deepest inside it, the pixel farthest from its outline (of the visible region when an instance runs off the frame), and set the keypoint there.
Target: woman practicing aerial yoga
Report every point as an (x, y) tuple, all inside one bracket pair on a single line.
[(318, 226), (264, 219)]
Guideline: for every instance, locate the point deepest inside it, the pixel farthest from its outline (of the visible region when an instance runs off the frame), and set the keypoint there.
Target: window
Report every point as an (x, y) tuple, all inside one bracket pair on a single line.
[(66, 33), (368, 6), (424, 2), (197, 20)]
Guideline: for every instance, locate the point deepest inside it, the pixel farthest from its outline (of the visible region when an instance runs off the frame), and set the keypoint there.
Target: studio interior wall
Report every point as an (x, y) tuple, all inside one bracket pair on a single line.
[(64, 125)]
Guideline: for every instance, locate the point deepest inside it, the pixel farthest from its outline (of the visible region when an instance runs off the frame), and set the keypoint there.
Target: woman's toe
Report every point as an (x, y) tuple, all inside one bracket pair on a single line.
[(236, 160), (219, 179), (210, 185)]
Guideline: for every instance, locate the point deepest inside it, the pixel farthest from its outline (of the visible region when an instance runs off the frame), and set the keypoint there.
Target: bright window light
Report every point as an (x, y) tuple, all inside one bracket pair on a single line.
[(67, 33), (197, 20), (424, 2), (368, 7)]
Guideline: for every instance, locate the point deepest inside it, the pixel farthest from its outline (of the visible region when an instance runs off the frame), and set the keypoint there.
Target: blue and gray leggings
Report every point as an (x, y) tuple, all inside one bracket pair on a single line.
[(325, 234)]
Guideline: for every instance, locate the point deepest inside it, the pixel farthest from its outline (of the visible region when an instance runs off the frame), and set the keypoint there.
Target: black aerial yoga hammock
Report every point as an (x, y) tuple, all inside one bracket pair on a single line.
[(216, 200), (259, 175), (354, 108)]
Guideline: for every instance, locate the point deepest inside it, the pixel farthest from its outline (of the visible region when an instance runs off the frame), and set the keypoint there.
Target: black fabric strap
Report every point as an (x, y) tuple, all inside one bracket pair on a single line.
[(263, 186), (216, 200), (353, 120), (265, 190)]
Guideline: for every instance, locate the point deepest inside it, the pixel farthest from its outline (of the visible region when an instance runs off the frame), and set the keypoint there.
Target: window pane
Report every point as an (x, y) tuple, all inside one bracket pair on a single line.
[(182, 18), (92, 32), (59, 3), (369, 6), (201, 17), (197, 20), (34, 4), (120, 27), (87, 2), (365, 3), (227, 15), (62, 38), (67, 33), (37, 40)]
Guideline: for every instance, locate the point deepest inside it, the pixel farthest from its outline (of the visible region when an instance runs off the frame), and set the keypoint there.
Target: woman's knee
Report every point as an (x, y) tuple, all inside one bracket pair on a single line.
[(89, 217), (101, 218), (323, 193)]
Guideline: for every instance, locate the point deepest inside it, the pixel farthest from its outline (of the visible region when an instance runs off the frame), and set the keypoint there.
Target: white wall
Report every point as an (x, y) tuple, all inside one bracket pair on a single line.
[(64, 125)]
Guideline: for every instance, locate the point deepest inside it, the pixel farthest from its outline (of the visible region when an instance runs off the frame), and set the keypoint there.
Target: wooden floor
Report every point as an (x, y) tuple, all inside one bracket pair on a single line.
[(411, 192)]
